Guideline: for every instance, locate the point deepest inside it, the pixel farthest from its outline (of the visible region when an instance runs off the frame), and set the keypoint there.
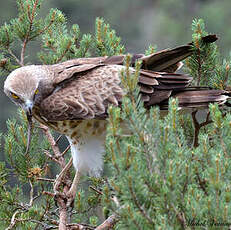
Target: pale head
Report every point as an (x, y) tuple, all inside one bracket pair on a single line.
[(22, 86)]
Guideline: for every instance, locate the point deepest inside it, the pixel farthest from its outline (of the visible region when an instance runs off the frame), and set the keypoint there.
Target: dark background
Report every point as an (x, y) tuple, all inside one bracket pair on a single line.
[(165, 23)]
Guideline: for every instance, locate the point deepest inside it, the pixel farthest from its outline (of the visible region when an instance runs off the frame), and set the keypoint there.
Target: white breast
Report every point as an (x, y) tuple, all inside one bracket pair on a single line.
[(88, 154)]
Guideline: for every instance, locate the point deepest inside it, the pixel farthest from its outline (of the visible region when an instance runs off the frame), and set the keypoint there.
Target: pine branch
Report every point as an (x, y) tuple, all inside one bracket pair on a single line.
[(140, 208), (13, 220), (31, 17), (180, 217), (198, 126), (108, 223)]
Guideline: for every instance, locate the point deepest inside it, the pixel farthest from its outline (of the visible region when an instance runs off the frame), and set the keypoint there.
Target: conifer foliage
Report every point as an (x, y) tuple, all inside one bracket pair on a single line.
[(161, 172)]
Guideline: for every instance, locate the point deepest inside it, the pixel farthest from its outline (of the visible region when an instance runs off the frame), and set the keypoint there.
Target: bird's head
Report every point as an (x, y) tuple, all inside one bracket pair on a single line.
[(22, 86)]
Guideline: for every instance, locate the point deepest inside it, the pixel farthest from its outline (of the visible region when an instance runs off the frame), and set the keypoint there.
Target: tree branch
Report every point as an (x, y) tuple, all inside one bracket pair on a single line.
[(198, 126), (108, 223), (142, 211), (180, 217), (13, 220)]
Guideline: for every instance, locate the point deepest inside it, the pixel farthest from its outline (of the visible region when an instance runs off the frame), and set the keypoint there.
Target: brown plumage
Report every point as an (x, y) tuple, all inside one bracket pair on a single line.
[(72, 97)]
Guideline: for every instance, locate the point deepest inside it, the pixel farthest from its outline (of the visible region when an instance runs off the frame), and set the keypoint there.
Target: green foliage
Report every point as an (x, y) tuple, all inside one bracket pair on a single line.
[(58, 42), (151, 49), (205, 65), (25, 169), (156, 178), (30, 175), (24, 165), (106, 41), (159, 180), (60, 45)]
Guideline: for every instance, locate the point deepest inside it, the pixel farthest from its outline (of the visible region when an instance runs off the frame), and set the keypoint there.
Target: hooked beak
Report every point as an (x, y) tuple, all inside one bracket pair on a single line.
[(28, 110), (28, 107)]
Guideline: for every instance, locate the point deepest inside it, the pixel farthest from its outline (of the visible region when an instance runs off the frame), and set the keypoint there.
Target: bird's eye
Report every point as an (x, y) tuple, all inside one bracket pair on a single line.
[(36, 92), (13, 95)]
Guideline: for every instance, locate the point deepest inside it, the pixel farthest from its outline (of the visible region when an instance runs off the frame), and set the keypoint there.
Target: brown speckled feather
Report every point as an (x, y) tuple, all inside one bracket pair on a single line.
[(89, 89), (87, 95), (91, 84), (83, 88)]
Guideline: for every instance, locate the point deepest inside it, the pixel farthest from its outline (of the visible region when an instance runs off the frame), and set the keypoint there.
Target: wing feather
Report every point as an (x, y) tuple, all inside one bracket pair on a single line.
[(198, 97), (87, 95), (67, 73), (83, 88)]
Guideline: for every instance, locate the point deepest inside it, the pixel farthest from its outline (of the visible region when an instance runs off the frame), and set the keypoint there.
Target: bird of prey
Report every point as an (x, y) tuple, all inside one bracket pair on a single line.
[(72, 97)]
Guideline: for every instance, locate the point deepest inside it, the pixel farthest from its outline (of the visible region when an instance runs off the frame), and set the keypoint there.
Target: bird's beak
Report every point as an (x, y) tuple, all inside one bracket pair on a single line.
[(28, 107), (28, 110)]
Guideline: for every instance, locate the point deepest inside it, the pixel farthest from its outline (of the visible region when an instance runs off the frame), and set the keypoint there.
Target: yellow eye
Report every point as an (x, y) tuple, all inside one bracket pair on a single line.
[(14, 96), (36, 91)]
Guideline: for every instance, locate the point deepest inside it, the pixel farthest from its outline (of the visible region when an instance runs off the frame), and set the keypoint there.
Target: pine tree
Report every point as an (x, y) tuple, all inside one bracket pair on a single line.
[(159, 173)]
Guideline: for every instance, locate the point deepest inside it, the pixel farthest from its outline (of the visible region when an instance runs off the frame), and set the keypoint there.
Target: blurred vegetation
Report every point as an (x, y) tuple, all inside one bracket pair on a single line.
[(190, 178)]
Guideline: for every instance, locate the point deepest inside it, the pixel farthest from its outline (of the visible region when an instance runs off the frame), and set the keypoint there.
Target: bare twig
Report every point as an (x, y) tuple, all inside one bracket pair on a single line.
[(74, 226), (202, 184), (58, 139), (45, 179), (198, 126), (45, 226), (65, 198), (52, 157), (49, 193), (31, 194), (96, 190), (196, 129), (73, 189), (13, 220), (61, 175), (108, 223), (116, 201), (51, 140), (62, 216), (14, 56), (65, 151), (180, 217), (113, 198), (142, 211)]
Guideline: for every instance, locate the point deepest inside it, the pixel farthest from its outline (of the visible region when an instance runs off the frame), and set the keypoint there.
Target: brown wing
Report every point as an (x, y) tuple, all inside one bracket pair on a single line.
[(168, 83), (83, 88), (169, 60), (85, 96), (199, 97), (164, 61)]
